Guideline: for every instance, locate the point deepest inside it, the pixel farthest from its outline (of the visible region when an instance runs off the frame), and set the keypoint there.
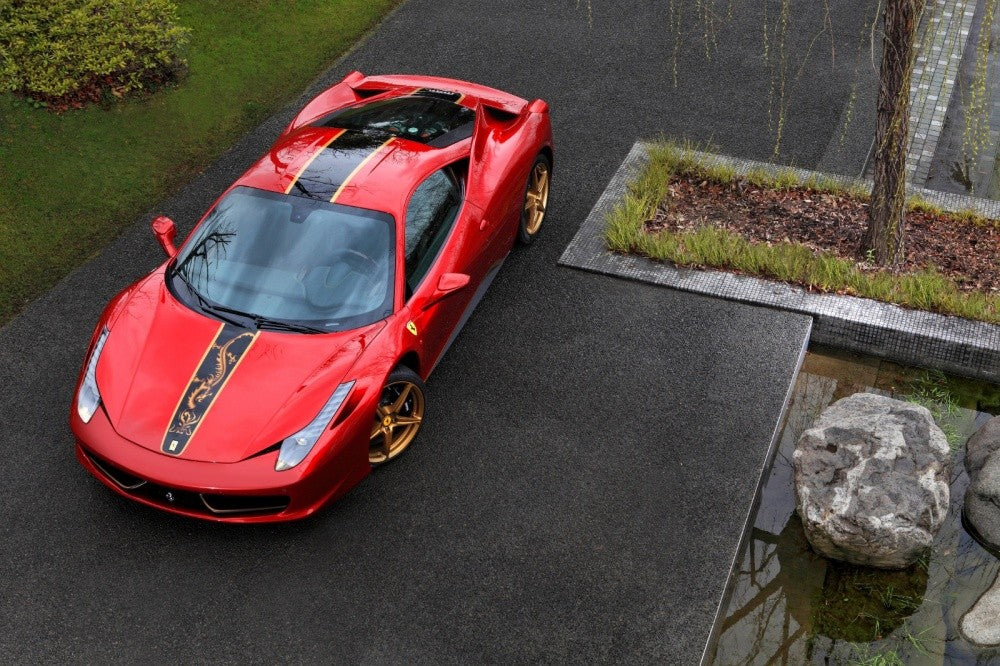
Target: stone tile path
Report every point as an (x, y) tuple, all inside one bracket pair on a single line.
[(958, 161), (942, 37)]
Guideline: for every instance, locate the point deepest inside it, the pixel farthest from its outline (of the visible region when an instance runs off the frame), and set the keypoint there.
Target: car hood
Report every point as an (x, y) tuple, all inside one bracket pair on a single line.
[(162, 359)]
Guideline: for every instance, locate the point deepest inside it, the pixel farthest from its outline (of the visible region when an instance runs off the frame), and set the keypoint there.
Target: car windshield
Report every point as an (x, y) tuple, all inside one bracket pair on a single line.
[(282, 260)]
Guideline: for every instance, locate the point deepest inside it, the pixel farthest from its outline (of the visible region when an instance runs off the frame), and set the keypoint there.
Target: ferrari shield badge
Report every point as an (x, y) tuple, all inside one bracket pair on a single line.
[(411, 327)]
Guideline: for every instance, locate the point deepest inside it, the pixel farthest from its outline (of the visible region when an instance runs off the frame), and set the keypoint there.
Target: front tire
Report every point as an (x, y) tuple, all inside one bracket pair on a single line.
[(398, 416), (536, 199)]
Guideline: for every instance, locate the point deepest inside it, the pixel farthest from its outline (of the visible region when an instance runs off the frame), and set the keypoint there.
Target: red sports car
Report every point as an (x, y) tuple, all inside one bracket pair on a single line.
[(281, 351)]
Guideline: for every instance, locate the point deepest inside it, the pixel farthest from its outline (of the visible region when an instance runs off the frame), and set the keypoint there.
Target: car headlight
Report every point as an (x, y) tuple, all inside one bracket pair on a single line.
[(295, 448), (88, 398)]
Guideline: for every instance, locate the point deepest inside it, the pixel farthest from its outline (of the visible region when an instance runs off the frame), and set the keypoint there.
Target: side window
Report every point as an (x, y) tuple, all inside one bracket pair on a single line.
[(430, 215)]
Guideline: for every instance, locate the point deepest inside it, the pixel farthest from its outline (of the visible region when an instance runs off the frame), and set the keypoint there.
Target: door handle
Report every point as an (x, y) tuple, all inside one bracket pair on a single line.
[(483, 223)]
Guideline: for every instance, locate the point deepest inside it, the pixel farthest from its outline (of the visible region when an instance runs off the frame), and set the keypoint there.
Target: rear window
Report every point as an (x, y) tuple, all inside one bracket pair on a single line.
[(425, 117)]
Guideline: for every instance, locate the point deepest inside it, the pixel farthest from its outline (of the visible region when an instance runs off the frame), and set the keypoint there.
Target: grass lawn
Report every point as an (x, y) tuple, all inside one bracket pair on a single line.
[(69, 183), (924, 289)]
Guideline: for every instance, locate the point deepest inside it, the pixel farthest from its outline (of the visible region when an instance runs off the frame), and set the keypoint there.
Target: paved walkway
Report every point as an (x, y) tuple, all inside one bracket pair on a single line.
[(942, 37), (593, 444), (957, 164)]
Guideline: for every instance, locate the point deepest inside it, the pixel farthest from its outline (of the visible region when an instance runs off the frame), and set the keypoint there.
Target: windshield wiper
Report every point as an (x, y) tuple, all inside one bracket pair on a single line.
[(206, 305), (259, 321), (278, 325)]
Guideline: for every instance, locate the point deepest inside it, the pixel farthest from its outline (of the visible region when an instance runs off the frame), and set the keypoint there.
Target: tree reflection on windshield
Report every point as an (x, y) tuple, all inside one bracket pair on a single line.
[(293, 260)]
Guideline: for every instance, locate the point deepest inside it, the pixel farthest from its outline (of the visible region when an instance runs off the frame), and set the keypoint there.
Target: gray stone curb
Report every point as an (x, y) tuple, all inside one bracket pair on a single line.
[(951, 344)]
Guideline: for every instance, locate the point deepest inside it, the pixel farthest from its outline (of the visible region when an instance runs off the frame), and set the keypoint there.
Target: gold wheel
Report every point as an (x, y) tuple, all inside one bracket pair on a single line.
[(536, 198), (397, 420)]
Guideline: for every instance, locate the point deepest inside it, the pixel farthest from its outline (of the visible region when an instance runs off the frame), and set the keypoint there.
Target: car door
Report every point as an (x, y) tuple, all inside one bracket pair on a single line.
[(436, 242)]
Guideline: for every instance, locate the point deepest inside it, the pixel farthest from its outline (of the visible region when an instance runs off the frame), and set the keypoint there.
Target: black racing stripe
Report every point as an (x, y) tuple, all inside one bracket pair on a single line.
[(228, 347), (334, 164)]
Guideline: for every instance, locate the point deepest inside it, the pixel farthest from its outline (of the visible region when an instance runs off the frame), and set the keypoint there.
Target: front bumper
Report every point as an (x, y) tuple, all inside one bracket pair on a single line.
[(243, 492)]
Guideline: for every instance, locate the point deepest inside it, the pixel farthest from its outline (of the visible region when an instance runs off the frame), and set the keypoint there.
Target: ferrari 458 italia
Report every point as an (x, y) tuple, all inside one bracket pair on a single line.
[(280, 352)]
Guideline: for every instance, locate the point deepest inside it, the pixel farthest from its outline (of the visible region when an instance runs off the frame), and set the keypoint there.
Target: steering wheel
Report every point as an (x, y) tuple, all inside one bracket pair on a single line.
[(357, 260), (322, 294)]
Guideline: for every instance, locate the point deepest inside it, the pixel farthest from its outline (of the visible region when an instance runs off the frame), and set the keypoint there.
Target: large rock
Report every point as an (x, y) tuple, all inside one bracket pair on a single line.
[(981, 446), (981, 624), (871, 480), (982, 503)]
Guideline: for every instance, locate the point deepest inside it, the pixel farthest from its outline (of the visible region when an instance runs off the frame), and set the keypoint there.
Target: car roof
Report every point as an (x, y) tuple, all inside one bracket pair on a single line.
[(355, 167)]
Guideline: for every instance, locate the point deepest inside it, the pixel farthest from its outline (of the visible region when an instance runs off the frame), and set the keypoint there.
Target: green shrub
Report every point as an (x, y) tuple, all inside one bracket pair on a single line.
[(51, 49)]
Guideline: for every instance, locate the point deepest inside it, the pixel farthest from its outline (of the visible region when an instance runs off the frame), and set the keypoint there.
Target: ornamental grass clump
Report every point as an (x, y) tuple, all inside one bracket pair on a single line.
[(66, 53)]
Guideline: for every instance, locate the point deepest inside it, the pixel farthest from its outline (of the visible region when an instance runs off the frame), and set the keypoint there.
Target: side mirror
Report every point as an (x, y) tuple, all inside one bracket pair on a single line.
[(538, 106), (165, 231), (448, 284)]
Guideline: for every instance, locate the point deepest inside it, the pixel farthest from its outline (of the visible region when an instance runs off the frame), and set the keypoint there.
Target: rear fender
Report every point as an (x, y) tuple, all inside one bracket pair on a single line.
[(335, 97), (503, 148)]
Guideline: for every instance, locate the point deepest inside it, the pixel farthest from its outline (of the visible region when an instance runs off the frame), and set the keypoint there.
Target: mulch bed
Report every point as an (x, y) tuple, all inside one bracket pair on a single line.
[(966, 252), (104, 89)]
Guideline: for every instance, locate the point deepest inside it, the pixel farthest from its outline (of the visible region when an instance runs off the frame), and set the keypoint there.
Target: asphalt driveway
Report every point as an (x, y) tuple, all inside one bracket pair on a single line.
[(593, 444)]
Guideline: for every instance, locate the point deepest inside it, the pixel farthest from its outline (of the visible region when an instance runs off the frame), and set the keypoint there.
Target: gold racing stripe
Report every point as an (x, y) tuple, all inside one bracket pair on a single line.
[(336, 135), (358, 168)]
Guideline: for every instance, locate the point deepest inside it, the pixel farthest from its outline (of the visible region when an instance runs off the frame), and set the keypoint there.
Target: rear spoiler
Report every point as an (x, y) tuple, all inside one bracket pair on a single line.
[(356, 86), (488, 97)]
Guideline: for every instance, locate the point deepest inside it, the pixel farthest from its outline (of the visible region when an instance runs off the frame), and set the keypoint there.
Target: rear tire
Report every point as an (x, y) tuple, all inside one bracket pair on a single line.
[(536, 199)]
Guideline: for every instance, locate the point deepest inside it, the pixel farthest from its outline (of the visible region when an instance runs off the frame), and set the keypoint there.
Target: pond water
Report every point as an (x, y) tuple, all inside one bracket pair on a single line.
[(787, 605)]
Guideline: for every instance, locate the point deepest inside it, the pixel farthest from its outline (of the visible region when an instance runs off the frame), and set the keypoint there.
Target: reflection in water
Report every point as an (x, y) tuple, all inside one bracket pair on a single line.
[(861, 605), (771, 612), (787, 605)]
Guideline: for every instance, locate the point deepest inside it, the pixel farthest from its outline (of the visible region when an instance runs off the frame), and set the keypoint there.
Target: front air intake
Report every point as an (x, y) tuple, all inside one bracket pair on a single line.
[(209, 504), (118, 476), (234, 504)]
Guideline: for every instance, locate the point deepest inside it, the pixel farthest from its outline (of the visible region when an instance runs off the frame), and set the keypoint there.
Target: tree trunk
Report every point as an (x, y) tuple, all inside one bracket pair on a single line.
[(883, 241)]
